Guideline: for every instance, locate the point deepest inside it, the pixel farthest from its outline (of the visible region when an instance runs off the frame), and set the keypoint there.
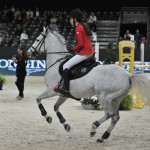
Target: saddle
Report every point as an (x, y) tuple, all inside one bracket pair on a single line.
[(80, 69), (77, 71)]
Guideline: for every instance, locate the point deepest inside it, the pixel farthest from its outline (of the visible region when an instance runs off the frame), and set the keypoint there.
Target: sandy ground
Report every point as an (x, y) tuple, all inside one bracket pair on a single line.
[(23, 128)]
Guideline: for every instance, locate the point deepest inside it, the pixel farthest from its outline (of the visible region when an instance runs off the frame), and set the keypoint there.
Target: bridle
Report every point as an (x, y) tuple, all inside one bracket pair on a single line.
[(38, 47)]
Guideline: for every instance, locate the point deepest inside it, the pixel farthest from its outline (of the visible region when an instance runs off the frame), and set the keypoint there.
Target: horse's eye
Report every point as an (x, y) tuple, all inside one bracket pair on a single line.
[(37, 40)]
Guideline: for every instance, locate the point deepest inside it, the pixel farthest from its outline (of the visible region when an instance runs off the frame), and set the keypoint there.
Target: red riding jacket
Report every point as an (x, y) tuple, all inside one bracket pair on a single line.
[(84, 46)]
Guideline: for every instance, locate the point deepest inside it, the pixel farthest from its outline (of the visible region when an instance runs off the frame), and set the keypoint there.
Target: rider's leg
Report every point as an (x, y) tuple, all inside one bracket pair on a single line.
[(66, 80), (72, 62), (75, 60)]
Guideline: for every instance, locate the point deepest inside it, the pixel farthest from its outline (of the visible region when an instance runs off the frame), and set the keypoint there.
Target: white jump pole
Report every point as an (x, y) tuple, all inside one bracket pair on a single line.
[(142, 56), (97, 51)]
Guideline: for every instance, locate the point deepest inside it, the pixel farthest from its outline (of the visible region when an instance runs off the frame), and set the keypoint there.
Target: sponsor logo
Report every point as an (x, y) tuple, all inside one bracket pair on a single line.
[(83, 70), (33, 66)]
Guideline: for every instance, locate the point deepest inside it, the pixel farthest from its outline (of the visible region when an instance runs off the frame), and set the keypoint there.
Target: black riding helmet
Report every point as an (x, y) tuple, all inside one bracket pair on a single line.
[(76, 14)]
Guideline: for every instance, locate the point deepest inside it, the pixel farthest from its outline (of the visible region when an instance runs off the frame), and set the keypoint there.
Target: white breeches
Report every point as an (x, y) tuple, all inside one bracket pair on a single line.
[(75, 60)]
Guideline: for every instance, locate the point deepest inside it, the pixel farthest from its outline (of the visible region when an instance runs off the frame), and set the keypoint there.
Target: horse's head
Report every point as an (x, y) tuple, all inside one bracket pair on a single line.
[(48, 42), (39, 45)]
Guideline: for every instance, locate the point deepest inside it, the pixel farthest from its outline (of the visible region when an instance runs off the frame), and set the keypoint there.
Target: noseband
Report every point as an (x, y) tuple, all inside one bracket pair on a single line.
[(38, 47)]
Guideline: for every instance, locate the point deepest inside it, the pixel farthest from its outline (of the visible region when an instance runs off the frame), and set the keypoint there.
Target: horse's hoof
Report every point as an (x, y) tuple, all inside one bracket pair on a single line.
[(100, 140), (67, 127), (92, 134), (49, 119)]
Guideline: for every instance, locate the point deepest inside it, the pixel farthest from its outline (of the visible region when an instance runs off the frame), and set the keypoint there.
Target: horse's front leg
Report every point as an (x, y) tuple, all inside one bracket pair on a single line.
[(62, 120), (46, 94)]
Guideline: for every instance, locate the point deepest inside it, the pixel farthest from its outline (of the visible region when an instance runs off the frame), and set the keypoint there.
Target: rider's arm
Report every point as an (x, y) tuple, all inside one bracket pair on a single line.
[(80, 43)]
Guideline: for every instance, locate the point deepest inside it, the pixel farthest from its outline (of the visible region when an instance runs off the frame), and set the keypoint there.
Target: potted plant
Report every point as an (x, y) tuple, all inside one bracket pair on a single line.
[(2, 80), (91, 103)]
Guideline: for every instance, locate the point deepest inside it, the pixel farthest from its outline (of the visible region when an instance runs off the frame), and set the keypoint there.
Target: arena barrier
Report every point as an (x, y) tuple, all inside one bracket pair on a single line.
[(97, 51), (142, 66)]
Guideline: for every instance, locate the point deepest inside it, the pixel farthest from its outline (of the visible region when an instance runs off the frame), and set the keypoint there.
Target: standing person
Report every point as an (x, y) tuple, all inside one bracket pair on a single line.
[(127, 35), (137, 38), (21, 60), (83, 47)]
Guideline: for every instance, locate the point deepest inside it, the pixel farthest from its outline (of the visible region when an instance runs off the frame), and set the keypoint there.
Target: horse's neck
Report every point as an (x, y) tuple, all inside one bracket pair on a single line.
[(53, 62), (54, 48)]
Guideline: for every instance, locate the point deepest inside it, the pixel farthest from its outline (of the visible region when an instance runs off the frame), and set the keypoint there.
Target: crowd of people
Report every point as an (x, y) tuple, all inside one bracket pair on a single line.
[(22, 23), (136, 37)]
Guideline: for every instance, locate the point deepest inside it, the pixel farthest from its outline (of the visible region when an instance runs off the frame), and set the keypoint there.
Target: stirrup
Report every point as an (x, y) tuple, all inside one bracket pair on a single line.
[(66, 93), (63, 91)]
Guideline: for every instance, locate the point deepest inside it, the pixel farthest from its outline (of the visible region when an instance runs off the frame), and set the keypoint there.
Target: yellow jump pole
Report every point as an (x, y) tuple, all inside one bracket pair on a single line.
[(130, 56)]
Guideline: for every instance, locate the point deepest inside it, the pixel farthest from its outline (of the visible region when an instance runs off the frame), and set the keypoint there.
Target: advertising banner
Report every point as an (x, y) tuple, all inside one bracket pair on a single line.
[(34, 67)]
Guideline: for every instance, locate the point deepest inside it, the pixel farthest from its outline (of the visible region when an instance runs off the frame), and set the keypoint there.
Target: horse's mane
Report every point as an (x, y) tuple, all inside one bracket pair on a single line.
[(60, 38)]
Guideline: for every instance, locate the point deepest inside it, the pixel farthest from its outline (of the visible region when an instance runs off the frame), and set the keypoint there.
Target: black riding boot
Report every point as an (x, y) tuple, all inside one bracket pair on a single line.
[(65, 89)]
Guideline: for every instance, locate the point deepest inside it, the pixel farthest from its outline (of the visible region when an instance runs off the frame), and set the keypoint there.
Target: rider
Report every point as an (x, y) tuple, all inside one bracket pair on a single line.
[(83, 47)]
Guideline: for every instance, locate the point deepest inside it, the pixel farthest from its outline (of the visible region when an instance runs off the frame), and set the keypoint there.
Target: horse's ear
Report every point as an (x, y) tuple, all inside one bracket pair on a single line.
[(46, 30)]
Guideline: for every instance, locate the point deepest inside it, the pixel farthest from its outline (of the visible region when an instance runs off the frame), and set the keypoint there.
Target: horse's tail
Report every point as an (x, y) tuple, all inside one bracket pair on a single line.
[(141, 82)]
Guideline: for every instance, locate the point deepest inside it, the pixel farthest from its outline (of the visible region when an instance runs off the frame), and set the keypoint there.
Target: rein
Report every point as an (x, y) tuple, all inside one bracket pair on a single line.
[(56, 52), (56, 62), (58, 59)]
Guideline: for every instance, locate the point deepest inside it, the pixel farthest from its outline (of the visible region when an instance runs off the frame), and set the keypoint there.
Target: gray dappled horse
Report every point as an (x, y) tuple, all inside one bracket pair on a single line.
[(110, 83)]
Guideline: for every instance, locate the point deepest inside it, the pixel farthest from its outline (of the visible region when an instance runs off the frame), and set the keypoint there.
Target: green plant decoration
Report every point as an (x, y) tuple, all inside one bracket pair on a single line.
[(2, 79), (126, 103), (91, 101)]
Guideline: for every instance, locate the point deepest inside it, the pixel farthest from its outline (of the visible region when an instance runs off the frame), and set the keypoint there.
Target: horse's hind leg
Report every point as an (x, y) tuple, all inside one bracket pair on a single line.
[(62, 120), (106, 106), (46, 94), (114, 119)]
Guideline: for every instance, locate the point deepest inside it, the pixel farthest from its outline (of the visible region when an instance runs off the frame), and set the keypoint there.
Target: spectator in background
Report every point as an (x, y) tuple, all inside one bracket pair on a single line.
[(25, 20), (44, 25), (17, 13), (4, 14), (10, 15), (24, 36), (143, 39), (29, 14), (37, 12), (12, 8), (137, 38), (127, 35), (6, 39), (18, 30), (53, 20), (92, 19)]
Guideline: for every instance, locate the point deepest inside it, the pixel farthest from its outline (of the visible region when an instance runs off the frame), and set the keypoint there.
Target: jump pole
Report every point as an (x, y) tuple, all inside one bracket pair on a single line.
[(130, 56)]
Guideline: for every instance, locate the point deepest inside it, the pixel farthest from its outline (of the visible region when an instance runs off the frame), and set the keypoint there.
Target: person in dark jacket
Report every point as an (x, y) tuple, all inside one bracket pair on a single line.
[(21, 60)]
